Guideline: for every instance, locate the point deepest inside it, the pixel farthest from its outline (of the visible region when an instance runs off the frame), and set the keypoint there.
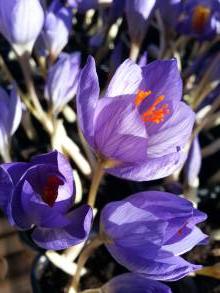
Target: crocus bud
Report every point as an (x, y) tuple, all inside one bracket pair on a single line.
[(57, 27), (10, 118), (21, 22), (39, 195), (149, 231), (62, 81)]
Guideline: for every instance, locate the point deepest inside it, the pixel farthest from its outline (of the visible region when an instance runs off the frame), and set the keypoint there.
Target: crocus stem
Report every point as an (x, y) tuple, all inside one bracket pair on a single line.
[(96, 180), (86, 253), (134, 51), (40, 114)]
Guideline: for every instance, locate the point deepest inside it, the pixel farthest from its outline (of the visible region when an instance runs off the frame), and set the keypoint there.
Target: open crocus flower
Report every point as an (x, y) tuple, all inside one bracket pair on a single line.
[(148, 231), (199, 18), (140, 127), (135, 283), (39, 195), (21, 22)]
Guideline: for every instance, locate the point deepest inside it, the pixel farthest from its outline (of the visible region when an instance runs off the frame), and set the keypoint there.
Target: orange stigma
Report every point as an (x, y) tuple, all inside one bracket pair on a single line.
[(200, 18), (153, 113), (50, 190)]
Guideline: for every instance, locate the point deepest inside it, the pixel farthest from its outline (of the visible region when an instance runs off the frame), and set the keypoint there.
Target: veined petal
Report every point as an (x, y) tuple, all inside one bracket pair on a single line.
[(126, 80), (150, 169), (74, 233), (87, 97)]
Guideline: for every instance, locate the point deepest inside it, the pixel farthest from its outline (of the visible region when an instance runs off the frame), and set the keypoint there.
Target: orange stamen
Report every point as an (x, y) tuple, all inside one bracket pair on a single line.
[(140, 97), (156, 115), (200, 18)]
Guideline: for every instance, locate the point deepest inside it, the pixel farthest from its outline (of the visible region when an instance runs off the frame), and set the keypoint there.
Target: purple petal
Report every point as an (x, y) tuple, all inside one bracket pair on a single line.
[(60, 238), (126, 80), (59, 161), (25, 14), (150, 169), (57, 27), (163, 78), (16, 170), (172, 134), (193, 163), (28, 209), (87, 97), (62, 81), (6, 190), (119, 131), (183, 243), (135, 283)]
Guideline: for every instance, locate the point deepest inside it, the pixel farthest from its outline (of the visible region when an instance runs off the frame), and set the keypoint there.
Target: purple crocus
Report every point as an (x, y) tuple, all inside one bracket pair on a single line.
[(57, 27), (39, 195), (21, 22), (199, 18), (135, 283), (140, 126), (148, 231), (11, 112), (62, 81)]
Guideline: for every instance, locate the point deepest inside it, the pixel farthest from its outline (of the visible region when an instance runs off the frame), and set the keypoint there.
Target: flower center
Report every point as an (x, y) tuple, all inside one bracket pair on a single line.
[(154, 113), (200, 18), (50, 189)]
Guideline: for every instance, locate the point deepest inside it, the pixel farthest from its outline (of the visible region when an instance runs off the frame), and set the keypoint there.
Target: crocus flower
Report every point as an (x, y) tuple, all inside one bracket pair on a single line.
[(140, 127), (193, 163), (62, 81), (39, 195), (21, 22), (135, 283), (11, 111), (57, 27), (148, 231), (199, 18)]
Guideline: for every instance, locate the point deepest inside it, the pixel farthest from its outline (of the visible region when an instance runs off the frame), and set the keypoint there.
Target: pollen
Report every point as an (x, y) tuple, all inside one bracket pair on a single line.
[(140, 97), (200, 18), (50, 190)]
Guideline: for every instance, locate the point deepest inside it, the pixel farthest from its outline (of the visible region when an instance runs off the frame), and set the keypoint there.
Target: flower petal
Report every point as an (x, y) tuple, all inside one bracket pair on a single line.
[(126, 80), (60, 238), (87, 97), (135, 283)]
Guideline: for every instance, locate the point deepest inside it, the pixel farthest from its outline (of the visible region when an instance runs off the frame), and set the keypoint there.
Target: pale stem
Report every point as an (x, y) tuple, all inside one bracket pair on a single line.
[(5, 154), (197, 95), (86, 253), (41, 115), (96, 180), (134, 51)]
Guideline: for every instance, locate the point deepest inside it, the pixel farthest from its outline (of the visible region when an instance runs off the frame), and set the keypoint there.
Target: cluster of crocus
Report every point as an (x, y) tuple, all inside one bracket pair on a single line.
[(39, 196), (140, 126), (139, 129)]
